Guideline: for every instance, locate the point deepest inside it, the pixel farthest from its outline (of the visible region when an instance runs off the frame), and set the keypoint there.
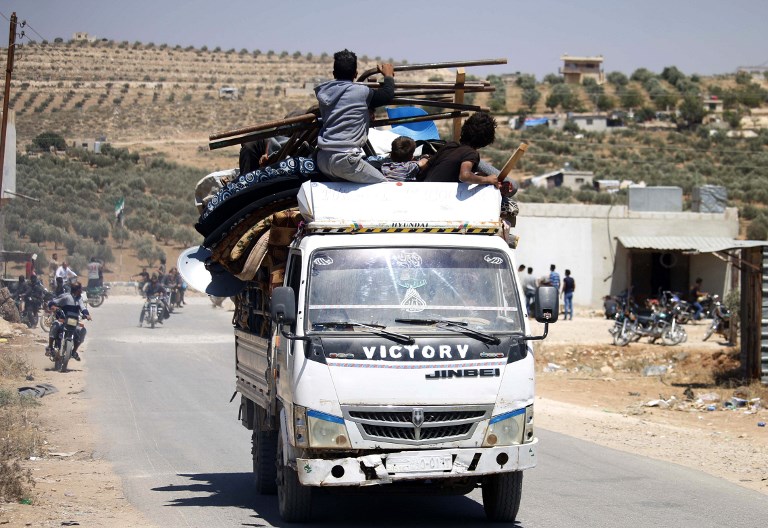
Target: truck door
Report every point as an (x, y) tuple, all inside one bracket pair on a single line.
[(287, 350)]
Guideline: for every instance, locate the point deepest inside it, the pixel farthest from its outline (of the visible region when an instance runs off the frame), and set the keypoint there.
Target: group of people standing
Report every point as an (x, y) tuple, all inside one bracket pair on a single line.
[(565, 287)]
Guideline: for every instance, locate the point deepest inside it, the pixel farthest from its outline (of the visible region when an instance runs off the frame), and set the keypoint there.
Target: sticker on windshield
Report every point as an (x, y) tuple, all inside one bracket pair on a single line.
[(408, 269), (413, 301), (491, 259)]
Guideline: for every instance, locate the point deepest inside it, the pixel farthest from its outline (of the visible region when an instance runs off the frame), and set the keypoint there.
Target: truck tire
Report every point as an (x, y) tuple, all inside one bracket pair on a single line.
[(501, 496), (264, 453), (293, 499)]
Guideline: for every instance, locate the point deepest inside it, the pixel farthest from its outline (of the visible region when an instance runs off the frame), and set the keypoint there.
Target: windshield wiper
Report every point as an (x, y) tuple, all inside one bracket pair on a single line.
[(374, 328), (455, 326)]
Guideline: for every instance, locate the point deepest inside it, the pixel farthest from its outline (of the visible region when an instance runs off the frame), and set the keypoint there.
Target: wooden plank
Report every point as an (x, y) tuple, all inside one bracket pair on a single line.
[(458, 98), (512, 161)]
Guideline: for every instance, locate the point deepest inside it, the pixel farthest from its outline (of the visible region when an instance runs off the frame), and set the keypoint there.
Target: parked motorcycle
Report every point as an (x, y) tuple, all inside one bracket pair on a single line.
[(622, 329), (65, 343), (659, 323), (721, 319), (97, 295)]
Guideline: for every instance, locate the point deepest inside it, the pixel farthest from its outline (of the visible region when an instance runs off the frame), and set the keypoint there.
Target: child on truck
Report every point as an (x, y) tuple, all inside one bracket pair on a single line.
[(400, 166)]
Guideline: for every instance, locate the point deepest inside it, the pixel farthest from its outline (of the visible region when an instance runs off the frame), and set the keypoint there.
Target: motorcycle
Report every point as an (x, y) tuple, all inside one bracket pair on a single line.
[(153, 311), (65, 343), (659, 323), (49, 316), (175, 297), (721, 320), (97, 295), (622, 329)]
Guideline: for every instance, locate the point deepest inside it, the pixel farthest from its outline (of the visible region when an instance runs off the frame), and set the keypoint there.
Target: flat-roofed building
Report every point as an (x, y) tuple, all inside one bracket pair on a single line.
[(576, 69)]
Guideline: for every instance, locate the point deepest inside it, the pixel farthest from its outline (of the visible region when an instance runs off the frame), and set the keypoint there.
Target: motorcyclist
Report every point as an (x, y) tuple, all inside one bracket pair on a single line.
[(154, 287), (66, 273), (143, 279), (18, 293), (172, 283), (58, 287), (71, 305), (33, 294)]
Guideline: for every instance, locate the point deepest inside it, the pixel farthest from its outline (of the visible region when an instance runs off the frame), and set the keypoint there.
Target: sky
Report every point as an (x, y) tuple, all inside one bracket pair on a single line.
[(697, 36)]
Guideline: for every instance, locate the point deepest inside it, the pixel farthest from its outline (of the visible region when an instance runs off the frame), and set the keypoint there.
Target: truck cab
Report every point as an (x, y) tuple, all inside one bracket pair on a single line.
[(399, 350)]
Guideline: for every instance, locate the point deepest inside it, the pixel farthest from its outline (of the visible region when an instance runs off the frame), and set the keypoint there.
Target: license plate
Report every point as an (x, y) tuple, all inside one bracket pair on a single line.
[(72, 321), (419, 463)]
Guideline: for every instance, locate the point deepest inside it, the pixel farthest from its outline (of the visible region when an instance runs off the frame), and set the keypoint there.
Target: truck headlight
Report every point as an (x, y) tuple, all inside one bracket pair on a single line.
[(505, 429), (326, 430)]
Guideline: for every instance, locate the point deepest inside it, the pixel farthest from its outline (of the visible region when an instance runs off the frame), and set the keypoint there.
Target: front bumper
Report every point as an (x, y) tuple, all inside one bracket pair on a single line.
[(371, 470)]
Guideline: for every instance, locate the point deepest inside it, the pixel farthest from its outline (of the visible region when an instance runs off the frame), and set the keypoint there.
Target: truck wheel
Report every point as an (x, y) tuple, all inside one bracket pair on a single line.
[(264, 452), (501, 496), (294, 500)]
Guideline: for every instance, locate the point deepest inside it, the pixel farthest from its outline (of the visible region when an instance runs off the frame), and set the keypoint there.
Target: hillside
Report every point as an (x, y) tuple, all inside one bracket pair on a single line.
[(147, 92)]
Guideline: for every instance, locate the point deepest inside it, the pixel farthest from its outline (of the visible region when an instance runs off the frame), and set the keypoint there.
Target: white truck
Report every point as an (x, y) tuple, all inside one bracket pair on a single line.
[(396, 352)]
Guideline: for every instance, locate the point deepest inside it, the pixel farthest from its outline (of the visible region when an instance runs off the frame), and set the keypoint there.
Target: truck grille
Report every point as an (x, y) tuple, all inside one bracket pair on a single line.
[(417, 425)]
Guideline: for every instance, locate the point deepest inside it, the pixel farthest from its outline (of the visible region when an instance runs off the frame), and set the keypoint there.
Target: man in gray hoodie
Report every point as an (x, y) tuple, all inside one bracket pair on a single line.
[(345, 110)]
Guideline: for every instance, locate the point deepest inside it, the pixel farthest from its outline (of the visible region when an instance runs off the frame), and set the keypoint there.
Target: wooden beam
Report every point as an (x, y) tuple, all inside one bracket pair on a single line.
[(458, 98), (512, 161)]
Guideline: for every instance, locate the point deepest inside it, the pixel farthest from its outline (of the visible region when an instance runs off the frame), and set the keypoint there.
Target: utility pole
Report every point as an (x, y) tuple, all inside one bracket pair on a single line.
[(6, 98)]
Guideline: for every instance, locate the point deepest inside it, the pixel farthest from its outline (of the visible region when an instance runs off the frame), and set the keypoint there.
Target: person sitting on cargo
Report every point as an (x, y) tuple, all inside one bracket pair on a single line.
[(345, 113), (459, 161), (400, 166)]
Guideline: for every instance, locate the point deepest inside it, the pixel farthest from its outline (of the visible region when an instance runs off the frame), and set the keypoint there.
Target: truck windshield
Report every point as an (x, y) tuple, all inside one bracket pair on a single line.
[(380, 286)]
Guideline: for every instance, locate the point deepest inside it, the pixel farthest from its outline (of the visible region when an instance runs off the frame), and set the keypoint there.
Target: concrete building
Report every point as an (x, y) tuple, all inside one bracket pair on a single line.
[(609, 248), (590, 122), (576, 69)]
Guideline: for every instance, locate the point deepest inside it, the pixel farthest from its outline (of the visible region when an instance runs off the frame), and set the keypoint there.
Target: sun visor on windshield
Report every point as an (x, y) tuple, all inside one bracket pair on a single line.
[(399, 207)]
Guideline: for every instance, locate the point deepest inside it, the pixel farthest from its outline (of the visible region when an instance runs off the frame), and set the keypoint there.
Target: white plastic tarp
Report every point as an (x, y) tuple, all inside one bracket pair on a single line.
[(399, 204)]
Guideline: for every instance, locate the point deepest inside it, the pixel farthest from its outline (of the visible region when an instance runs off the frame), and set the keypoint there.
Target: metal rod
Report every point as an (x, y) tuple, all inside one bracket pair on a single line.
[(437, 104), (286, 130), (440, 91), (410, 85), (435, 66), (418, 119), (304, 118)]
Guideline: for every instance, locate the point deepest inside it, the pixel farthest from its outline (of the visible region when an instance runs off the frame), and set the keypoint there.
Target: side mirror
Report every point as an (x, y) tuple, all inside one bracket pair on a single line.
[(283, 305), (547, 305)]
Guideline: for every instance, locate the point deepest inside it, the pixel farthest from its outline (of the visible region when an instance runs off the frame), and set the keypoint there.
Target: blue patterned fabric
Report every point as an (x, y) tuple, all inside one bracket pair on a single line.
[(288, 167)]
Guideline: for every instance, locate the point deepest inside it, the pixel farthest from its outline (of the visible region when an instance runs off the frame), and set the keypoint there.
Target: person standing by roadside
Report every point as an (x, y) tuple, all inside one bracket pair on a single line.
[(53, 265), (529, 289), (29, 267), (554, 277), (569, 285), (94, 273)]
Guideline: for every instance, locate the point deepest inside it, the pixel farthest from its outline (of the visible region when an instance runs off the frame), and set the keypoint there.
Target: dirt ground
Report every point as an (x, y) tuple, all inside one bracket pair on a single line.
[(586, 388)]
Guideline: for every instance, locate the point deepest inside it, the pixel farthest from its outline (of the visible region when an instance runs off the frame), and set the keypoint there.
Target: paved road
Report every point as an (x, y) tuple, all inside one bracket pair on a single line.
[(161, 405)]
